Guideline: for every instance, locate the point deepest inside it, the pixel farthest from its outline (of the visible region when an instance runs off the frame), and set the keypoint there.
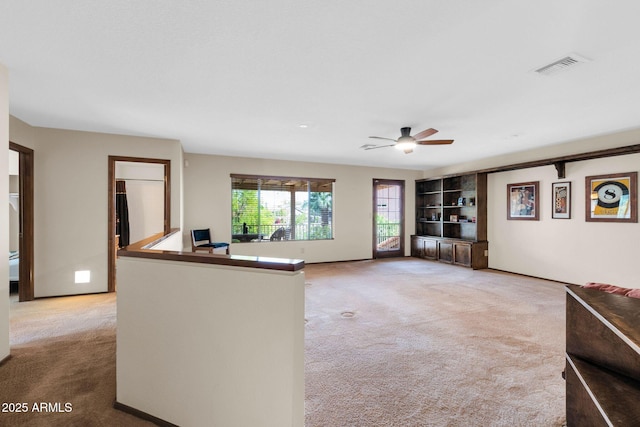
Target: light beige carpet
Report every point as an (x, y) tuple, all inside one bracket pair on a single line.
[(419, 343), (388, 343)]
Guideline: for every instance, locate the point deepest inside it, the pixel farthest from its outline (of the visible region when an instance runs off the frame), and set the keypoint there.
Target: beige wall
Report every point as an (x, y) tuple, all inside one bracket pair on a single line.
[(208, 205), (568, 250), (4, 213), (71, 181), (211, 345), (22, 133)]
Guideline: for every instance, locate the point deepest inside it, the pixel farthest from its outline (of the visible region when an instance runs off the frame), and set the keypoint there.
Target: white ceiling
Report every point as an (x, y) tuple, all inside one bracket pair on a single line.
[(237, 77)]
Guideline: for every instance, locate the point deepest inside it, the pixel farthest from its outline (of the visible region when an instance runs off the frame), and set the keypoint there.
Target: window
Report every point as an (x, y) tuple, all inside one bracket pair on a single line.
[(281, 208)]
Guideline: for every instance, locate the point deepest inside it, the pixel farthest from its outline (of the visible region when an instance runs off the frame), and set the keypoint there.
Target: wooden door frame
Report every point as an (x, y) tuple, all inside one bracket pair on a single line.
[(111, 240), (26, 227), (376, 182)]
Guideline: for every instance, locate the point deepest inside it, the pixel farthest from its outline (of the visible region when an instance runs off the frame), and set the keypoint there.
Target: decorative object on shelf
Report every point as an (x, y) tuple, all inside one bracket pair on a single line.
[(561, 192), (453, 218), (461, 201), (472, 201), (611, 198), (523, 201)]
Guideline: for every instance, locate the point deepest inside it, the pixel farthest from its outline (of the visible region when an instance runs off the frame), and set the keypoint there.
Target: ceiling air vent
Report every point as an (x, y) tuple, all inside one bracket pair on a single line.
[(561, 64)]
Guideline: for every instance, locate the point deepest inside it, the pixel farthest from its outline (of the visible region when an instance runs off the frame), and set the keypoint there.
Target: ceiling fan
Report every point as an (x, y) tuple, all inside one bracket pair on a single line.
[(407, 143)]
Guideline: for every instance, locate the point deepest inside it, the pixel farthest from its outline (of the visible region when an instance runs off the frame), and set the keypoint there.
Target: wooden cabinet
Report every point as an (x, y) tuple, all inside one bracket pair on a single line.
[(603, 358), (445, 251), (423, 247), (451, 215), (452, 251), (462, 253)]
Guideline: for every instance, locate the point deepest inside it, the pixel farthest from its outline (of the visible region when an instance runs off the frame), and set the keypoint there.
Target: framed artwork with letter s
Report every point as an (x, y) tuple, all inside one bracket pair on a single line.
[(611, 198)]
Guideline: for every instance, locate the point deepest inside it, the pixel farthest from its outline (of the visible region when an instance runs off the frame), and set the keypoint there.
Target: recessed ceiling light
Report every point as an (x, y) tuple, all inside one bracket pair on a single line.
[(303, 126)]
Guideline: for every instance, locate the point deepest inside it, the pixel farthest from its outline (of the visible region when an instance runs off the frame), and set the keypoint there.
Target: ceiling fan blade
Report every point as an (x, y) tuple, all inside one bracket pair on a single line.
[(379, 137), (378, 146), (435, 142), (425, 133)]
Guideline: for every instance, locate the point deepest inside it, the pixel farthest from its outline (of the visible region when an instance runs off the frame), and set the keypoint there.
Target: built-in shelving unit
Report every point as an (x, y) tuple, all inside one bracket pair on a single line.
[(451, 220)]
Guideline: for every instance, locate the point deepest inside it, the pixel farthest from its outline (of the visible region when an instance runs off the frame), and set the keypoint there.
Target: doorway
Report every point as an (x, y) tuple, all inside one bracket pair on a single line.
[(388, 220), (24, 227), (112, 222)]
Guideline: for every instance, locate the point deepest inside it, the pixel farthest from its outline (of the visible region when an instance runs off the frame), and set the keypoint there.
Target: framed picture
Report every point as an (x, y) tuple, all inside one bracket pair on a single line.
[(611, 198), (561, 192), (522, 201)]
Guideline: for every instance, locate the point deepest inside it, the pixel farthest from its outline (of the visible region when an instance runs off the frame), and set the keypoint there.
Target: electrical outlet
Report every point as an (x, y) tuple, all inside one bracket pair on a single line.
[(301, 250)]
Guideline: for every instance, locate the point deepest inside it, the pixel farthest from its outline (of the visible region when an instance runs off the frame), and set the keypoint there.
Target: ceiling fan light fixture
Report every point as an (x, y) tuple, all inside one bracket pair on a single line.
[(405, 143)]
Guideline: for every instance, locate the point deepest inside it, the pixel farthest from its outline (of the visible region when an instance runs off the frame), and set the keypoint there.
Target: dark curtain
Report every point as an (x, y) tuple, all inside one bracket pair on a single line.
[(122, 213)]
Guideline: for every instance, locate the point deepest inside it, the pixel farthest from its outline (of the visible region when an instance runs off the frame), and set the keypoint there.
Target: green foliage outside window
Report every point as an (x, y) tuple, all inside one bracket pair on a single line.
[(386, 227), (243, 209), (263, 205)]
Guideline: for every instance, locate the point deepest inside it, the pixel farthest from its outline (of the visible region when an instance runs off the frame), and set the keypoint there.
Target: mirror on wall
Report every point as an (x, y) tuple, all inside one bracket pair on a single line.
[(144, 184), (139, 200), (14, 222)]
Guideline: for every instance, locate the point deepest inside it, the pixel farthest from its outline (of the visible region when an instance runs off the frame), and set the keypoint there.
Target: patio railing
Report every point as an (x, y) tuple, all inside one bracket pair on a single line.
[(300, 232)]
